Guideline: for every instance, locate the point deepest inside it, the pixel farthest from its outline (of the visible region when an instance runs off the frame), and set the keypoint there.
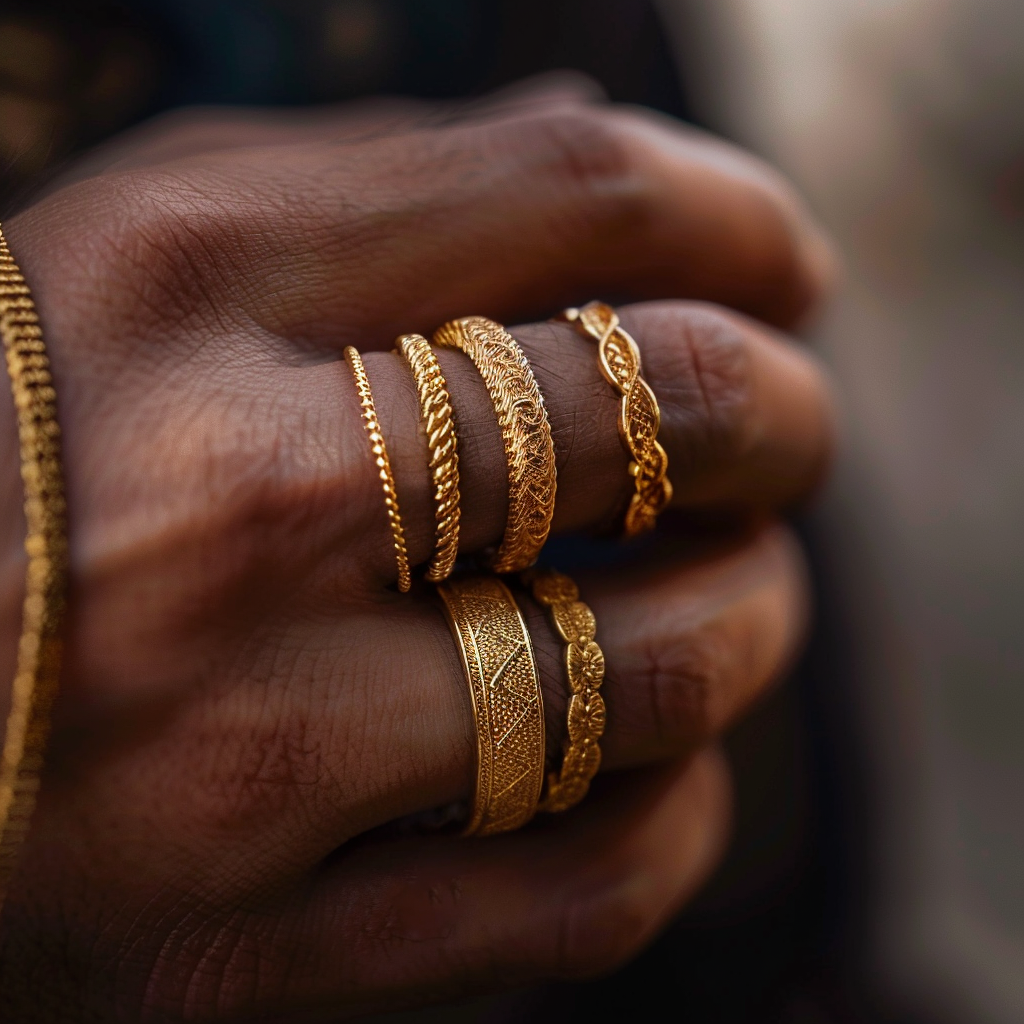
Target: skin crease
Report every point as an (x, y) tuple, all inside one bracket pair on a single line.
[(247, 703)]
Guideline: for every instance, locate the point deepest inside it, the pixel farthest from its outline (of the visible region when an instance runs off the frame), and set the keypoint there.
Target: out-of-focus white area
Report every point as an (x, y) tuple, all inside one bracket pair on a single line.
[(903, 122)]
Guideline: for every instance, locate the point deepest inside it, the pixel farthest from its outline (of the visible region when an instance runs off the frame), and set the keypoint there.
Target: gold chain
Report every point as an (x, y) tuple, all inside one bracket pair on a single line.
[(39, 650), (380, 458), (525, 431), (508, 709), (639, 417), (436, 420), (584, 661)]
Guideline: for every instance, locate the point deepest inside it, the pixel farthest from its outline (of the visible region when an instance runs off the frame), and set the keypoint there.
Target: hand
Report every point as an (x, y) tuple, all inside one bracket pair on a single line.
[(246, 700)]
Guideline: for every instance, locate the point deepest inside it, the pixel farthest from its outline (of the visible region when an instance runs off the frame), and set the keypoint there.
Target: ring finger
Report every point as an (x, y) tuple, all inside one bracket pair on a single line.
[(377, 723)]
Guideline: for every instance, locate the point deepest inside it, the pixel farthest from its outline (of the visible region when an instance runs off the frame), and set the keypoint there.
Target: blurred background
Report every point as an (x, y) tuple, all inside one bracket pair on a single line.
[(878, 868)]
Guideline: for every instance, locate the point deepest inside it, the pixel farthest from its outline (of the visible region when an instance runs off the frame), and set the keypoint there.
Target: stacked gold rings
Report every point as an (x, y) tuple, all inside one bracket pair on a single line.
[(493, 640)]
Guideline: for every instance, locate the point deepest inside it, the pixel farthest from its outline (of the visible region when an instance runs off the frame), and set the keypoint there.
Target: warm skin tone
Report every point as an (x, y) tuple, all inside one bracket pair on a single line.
[(244, 692)]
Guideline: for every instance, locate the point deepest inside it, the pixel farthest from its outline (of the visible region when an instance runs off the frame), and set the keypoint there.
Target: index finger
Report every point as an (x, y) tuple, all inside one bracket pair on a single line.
[(323, 245)]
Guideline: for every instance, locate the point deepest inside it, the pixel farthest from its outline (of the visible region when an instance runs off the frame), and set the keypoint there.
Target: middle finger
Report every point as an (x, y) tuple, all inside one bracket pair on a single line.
[(746, 422)]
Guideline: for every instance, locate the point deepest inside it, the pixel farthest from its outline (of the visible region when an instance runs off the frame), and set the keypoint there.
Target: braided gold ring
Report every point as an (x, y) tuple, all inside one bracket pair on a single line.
[(639, 416)]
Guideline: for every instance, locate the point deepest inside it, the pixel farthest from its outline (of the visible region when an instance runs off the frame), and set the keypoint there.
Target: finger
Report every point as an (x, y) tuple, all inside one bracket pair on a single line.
[(690, 646), (403, 922), (356, 721), (515, 217), (746, 420), (194, 131)]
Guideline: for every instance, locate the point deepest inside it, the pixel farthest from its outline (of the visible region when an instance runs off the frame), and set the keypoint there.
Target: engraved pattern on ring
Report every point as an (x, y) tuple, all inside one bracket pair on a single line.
[(508, 709), (525, 431), (584, 665)]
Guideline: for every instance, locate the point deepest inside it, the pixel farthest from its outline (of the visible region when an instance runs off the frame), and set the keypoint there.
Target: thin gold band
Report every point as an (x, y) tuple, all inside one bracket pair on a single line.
[(39, 650), (437, 423), (508, 708), (584, 663), (639, 417), (380, 457), (525, 431)]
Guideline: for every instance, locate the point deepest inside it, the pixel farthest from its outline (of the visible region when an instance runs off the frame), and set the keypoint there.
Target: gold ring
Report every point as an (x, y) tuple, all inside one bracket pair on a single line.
[(525, 431), (438, 425), (508, 708), (380, 457), (639, 417), (39, 649), (584, 662)]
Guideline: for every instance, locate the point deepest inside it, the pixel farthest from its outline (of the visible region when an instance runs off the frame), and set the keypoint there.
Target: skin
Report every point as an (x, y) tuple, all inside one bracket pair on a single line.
[(247, 702)]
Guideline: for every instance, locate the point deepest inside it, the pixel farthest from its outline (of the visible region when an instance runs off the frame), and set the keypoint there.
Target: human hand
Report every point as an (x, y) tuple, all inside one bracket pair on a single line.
[(245, 698)]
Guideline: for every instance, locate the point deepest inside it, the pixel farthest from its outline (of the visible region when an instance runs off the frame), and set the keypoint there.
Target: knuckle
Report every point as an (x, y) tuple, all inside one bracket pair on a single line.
[(161, 249), (701, 371), (602, 927), (683, 682), (591, 151)]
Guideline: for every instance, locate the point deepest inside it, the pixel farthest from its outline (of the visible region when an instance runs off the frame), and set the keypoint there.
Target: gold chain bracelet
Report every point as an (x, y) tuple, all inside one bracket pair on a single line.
[(438, 425), (584, 662), (39, 650), (639, 417), (383, 463)]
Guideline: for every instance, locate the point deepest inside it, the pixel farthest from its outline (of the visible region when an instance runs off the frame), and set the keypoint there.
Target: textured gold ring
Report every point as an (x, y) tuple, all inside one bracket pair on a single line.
[(438, 425), (508, 709), (639, 416), (380, 457), (584, 663), (525, 431), (39, 649)]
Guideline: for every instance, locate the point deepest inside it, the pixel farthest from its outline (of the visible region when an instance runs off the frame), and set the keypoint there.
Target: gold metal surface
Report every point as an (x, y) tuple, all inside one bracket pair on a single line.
[(525, 431), (508, 709), (437, 423), (639, 416), (584, 663), (380, 457), (39, 650)]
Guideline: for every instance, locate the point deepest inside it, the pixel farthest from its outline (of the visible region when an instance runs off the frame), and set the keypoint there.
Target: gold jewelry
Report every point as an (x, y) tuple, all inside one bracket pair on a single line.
[(639, 417), (584, 661), (437, 423), (39, 650), (380, 456), (525, 430), (507, 705)]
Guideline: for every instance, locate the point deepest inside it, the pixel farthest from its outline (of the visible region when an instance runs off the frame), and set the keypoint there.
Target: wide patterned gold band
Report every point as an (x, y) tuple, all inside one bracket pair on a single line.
[(584, 663), (639, 417), (39, 650), (525, 431), (380, 457), (439, 427), (508, 709)]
